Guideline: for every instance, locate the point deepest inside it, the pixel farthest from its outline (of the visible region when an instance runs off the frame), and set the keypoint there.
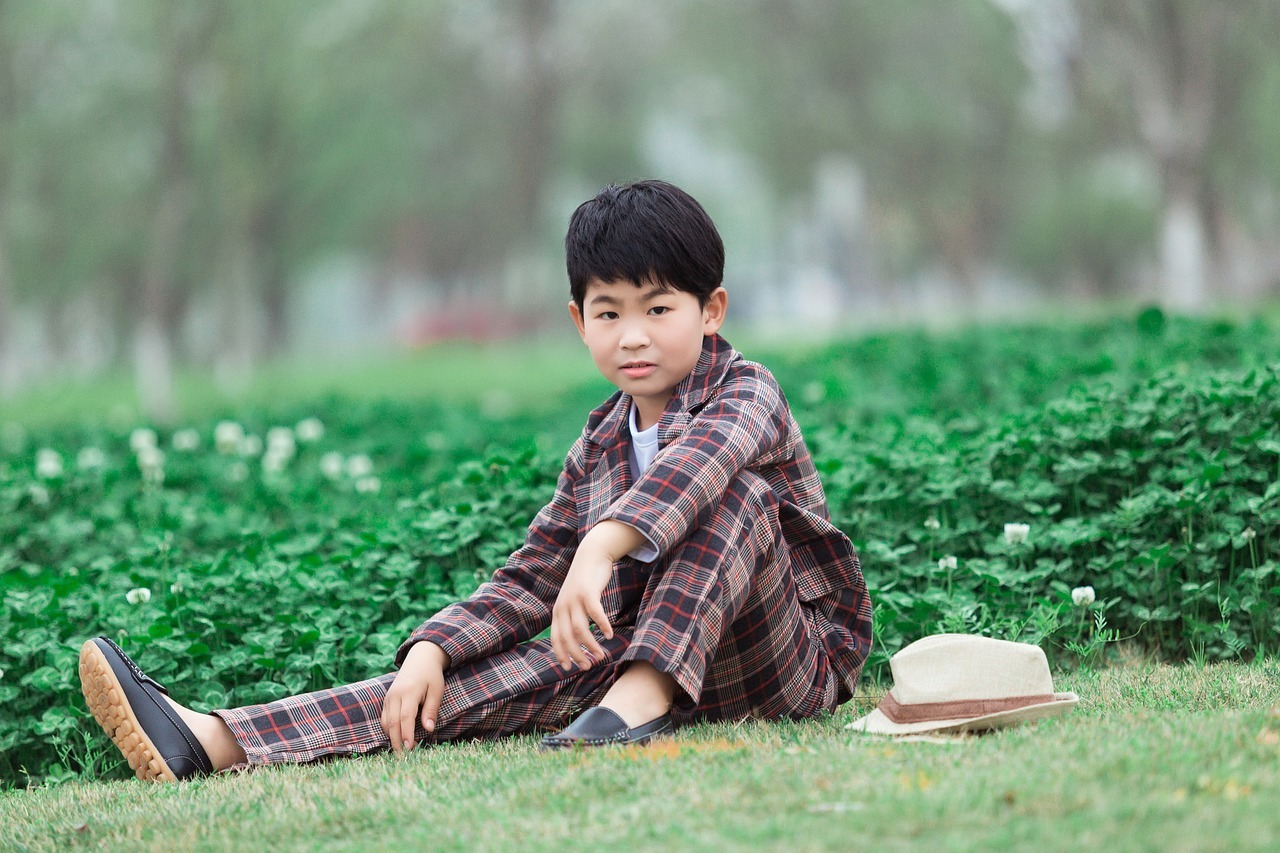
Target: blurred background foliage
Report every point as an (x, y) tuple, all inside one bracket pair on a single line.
[(212, 184)]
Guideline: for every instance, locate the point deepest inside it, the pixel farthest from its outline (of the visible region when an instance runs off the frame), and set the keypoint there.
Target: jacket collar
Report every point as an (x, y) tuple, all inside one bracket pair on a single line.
[(608, 424)]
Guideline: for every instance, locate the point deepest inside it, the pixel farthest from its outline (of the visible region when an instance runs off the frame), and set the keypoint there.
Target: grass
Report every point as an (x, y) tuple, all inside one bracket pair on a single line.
[(514, 374), (1154, 757)]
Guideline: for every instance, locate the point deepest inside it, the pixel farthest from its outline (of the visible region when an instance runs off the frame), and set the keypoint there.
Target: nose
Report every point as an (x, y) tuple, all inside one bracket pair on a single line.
[(634, 336)]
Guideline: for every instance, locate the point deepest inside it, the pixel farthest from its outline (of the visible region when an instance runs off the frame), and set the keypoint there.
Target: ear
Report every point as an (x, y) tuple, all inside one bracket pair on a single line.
[(714, 311), (576, 313)]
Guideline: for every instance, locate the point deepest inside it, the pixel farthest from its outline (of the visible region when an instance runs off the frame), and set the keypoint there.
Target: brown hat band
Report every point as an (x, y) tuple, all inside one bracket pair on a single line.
[(925, 712)]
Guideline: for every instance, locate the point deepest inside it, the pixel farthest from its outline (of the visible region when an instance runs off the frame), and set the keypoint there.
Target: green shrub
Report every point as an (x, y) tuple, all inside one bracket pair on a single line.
[(1163, 496)]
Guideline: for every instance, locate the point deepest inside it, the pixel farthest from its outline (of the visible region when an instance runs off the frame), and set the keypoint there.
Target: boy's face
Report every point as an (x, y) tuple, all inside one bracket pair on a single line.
[(645, 340)]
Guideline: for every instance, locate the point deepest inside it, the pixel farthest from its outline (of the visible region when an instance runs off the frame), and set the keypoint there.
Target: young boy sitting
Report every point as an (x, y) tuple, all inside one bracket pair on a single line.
[(685, 565)]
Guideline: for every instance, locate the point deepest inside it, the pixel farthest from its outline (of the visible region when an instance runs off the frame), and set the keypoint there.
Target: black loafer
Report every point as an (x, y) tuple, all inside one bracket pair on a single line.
[(602, 727), (132, 711)]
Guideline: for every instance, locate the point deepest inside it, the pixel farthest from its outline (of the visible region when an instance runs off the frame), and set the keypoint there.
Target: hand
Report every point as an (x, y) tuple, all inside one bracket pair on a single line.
[(418, 684), (578, 604)]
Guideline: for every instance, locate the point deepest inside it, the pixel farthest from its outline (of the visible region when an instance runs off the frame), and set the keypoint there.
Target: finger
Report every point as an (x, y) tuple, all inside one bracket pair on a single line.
[(581, 638), (559, 646), (408, 720), (431, 705), (595, 610), (391, 720)]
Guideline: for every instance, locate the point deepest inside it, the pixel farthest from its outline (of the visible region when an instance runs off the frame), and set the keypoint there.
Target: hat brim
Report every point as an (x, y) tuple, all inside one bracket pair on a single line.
[(876, 723)]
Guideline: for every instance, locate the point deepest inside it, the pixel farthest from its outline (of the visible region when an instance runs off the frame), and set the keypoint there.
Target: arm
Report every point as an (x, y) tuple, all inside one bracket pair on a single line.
[(745, 424), (578, 603), (418, 684), (516, 603)]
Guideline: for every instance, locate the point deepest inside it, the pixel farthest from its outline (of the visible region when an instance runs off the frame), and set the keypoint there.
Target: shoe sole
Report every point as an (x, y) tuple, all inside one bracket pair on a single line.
[(575, 743), (105, 697), (582, 744)]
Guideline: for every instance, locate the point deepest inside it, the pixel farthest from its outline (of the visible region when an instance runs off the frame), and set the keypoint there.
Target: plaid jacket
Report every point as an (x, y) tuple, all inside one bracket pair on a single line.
[(726, 416)]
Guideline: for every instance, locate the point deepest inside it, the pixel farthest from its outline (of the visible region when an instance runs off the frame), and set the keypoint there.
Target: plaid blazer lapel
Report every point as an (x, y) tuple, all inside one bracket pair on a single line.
[(610, 476), (697, 388)]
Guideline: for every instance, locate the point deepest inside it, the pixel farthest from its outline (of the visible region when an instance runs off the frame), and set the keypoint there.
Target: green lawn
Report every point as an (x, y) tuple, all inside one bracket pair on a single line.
[(516, 374), (1153, 758)]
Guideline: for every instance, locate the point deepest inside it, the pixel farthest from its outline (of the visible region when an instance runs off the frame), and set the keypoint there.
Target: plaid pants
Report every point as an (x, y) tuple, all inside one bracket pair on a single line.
[(720, 615)]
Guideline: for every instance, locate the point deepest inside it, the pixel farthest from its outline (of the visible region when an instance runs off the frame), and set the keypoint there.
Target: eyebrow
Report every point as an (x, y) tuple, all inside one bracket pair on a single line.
[(651, 294)]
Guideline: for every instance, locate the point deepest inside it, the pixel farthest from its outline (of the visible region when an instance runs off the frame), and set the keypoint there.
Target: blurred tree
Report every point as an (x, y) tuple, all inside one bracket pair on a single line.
[(183, 30), (1183, 70), (9, 369), (184, 167), (924, 96)]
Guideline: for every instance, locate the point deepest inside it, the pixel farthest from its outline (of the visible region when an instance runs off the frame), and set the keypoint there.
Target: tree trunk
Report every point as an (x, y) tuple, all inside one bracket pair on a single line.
[(266, 236), (1169, 54), (1184, 256), (157, 313), (240, 317), (10, 367)]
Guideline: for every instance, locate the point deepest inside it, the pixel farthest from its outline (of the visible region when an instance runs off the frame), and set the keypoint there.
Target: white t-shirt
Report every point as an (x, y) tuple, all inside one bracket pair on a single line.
[(644, 447)]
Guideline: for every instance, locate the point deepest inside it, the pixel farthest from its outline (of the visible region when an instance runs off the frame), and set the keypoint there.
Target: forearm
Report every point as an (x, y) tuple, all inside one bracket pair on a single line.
[(612, 540), (435, 654)]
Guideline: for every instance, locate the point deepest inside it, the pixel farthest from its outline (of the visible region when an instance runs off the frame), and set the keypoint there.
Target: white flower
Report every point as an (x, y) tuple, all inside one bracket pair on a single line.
[(237, 472), (90, 457), (931, 523), (48, 463), (150, 457), (186, 439), (948, 563), (368, 485), (1, 673), (151, 464), (331, 465), (1082, 596), (280, 441), (1016, 534), (250, 445), (139, 595), (358, 466), (273, 462), (227, 436), (39, 494), (1249, 534), (141, 438), (309, 430), (175, 587)]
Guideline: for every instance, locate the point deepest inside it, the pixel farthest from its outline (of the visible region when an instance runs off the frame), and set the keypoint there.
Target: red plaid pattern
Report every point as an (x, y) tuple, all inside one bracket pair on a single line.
[(756, 604)]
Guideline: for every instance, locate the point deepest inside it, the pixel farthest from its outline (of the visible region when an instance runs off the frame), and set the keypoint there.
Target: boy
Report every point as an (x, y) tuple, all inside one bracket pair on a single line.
[(688, 527)]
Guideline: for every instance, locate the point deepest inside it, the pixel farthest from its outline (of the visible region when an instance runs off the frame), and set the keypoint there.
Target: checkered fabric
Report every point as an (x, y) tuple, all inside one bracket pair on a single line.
[(755, 605)]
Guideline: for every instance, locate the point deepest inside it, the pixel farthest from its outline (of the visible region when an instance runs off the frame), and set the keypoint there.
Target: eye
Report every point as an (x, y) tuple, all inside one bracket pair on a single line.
[(607, 315), (659, 309)]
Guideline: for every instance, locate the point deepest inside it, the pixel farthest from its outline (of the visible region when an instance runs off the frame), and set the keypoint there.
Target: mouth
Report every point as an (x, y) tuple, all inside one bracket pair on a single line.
[(638, 369)]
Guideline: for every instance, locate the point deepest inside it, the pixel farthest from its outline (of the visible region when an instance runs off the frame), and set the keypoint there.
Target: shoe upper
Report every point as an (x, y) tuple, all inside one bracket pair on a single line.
[(601, 726), (175, 742)]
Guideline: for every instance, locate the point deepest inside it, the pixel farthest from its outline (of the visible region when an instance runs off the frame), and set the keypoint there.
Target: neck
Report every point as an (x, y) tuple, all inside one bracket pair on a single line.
[(646, 414)]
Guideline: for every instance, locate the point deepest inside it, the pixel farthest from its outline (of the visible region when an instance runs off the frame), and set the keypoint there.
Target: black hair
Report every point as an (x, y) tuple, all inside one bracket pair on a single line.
[(644, 232)]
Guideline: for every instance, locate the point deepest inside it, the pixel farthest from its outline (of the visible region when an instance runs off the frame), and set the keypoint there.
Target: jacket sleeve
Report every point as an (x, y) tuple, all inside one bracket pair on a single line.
[(744, 424), (515, 604)]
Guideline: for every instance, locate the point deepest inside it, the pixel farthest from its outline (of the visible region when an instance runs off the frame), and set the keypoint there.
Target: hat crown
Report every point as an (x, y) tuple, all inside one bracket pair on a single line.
[(960, 667)]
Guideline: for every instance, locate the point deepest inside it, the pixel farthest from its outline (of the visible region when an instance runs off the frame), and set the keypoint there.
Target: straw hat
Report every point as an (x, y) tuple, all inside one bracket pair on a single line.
[(958, 683)]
